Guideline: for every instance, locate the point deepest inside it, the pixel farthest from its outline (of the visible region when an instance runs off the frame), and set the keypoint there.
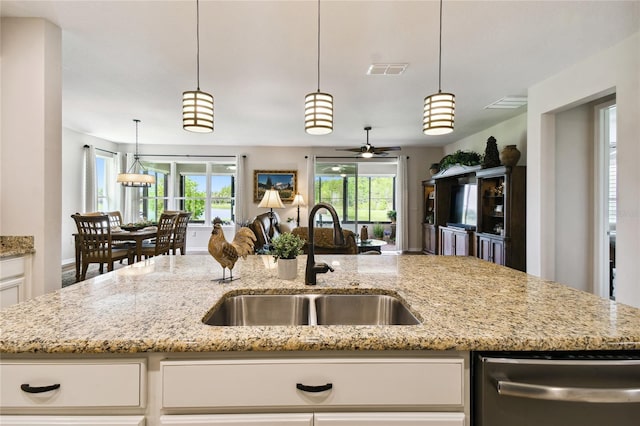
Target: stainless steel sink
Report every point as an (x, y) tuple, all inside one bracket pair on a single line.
[(310, 309), (261, 309), (362, 309)]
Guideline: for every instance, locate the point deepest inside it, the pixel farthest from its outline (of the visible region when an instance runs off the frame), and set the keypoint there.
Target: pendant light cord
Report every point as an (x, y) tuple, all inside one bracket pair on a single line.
[(198, 42), (440, 53), (136, 121), (318, 46)]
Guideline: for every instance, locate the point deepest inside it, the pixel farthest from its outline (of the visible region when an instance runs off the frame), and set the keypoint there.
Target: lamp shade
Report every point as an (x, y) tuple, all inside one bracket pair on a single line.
[(439, 114), (135, 179), (271, 200), (298, 201), (197, 111), (318, 113)]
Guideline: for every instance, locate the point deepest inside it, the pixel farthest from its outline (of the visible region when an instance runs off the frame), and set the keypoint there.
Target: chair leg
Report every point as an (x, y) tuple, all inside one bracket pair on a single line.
[(83, 274)]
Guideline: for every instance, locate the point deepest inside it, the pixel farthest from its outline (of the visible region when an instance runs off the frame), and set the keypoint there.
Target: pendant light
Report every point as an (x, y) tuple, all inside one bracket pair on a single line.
[(197, 106), (132, 178), (318, 106), (439, 108)]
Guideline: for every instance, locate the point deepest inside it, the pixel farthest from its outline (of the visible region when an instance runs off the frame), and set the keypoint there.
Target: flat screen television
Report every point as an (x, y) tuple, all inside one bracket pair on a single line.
[(464, 206)]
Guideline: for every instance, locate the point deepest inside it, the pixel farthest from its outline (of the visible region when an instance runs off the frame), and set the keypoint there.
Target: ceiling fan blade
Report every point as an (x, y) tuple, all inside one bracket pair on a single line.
[(385, 149), (349, 149)]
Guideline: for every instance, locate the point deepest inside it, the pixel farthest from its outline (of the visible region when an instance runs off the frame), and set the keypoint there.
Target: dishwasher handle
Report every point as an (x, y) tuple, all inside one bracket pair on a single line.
[(571, 394)]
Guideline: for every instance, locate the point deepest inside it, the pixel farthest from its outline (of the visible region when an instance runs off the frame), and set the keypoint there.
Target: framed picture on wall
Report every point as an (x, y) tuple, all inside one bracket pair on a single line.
[(283, 181)]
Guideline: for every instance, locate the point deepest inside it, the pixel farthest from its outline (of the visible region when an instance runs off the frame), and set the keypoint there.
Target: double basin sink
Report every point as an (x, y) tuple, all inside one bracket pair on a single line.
[(310, 309)]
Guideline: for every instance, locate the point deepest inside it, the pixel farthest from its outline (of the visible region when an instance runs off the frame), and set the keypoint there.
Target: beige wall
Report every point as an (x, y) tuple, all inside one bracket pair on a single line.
[(30, 179), (614, 70)]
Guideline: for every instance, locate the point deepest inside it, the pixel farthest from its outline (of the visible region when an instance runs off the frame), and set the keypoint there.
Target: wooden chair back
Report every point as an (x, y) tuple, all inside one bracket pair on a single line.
[(162, 245), (179, 237), (94, 240), (115, 219)]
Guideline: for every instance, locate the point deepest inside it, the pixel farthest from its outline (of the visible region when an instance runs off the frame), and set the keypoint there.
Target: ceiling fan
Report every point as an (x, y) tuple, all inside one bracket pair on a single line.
[(367, 150)]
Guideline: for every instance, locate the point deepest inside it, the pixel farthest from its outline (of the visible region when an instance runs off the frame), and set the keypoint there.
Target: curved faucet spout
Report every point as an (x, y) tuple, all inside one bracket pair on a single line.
[(314, 268)]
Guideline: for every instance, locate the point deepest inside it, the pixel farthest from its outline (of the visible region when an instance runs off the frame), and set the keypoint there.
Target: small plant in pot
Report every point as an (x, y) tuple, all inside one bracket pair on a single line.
[(391, 214), (285, 249)]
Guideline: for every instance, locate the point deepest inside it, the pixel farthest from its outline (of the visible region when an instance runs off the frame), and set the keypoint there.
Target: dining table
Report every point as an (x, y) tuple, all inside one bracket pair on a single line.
[(137, 236)]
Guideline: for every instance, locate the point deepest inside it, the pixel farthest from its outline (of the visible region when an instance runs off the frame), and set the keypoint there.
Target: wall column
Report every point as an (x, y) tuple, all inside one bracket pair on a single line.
[(31, 149)]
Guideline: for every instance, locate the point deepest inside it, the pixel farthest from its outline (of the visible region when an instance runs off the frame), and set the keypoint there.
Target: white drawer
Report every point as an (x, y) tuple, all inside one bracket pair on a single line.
[(72, 420), (13, 267), (82, 384), (273, 383)]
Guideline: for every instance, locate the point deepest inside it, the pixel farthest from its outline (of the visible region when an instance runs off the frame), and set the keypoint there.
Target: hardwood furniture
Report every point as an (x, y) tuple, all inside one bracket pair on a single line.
[(95, 244), (455, 241), (429, 227), (179, 236), (135, 237), (162, 243), (501, 231)]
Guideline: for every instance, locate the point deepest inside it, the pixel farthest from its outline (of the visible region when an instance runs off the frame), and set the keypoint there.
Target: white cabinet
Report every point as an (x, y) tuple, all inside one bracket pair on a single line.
[(15, 276), (38, 392), (72, 420), (389, 419), (348, 382), (301, 419), (318, 419), (384, 391)]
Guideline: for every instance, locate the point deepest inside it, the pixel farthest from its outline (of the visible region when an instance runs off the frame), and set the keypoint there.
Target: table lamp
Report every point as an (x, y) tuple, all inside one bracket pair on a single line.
[(270, 200), (297, 202)]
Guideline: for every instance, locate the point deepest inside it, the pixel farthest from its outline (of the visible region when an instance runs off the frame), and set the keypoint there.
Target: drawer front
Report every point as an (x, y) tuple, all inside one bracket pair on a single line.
[(13, 267), (386, 419), (302, 419), (72, 420), (10, 291), (82, 384), (273, 383)]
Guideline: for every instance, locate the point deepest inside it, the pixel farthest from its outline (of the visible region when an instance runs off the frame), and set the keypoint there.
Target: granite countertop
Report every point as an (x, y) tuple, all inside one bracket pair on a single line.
[(15, 246), (463, 303)]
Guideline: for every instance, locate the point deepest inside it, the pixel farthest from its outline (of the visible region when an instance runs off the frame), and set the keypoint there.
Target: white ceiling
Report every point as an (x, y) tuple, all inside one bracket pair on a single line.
[(133, 59)]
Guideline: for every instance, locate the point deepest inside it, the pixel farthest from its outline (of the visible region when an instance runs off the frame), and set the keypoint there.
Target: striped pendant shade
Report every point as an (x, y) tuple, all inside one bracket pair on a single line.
[(318, 113), (439, 114), (197, 111)]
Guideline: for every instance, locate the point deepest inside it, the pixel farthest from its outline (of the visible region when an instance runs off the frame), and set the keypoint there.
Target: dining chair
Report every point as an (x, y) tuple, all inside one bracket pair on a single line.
[(94, 239), (162, 243), (179, 236), (115, 219)]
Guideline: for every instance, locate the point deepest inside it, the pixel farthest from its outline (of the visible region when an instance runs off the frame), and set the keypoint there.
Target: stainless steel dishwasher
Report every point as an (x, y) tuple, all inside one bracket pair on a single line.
[(556, 389)]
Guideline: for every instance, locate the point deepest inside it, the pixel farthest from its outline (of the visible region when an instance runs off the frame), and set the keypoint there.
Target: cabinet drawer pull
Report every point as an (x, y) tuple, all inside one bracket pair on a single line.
[(314, 389), (39, 389)]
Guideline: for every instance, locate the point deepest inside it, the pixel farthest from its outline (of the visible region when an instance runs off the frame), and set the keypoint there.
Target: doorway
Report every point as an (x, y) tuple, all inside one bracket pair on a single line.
[(606, 199)]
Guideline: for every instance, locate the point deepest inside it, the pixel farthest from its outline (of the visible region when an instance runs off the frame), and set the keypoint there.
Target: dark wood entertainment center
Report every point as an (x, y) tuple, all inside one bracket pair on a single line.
[(499, 216)]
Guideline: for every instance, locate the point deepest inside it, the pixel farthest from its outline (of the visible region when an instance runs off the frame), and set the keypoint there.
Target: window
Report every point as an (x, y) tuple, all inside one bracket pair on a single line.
[(206, 189), (105, 177), (360, 192)]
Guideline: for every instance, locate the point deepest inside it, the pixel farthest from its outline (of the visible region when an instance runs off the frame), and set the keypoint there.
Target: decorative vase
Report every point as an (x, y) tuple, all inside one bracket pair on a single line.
[(364, 233), (287, 268), (434, 168), (509, 156)]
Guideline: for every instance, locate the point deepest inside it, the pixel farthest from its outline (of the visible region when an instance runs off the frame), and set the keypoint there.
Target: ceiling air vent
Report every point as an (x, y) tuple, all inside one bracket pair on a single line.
[(386, 69), (508, 102)]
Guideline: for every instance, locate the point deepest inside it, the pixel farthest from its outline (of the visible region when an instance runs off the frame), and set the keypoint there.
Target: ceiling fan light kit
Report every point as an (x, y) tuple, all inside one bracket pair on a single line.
[(439, 108), (318, 106), (197, 106)]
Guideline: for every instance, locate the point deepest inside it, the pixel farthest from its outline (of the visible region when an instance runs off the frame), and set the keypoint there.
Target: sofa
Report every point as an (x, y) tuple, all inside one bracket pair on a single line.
[(323, 241), (265, 229)]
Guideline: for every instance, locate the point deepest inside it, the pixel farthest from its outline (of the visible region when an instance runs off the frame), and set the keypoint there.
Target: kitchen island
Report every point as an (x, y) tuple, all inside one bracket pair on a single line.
[(151, 313)]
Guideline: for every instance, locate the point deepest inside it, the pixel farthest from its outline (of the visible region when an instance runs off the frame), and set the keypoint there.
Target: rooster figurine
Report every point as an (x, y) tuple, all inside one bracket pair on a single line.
[(225, 253)]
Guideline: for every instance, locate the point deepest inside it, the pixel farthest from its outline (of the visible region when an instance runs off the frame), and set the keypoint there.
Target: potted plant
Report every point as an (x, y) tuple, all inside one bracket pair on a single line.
[(391, 214), (285, 249)]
